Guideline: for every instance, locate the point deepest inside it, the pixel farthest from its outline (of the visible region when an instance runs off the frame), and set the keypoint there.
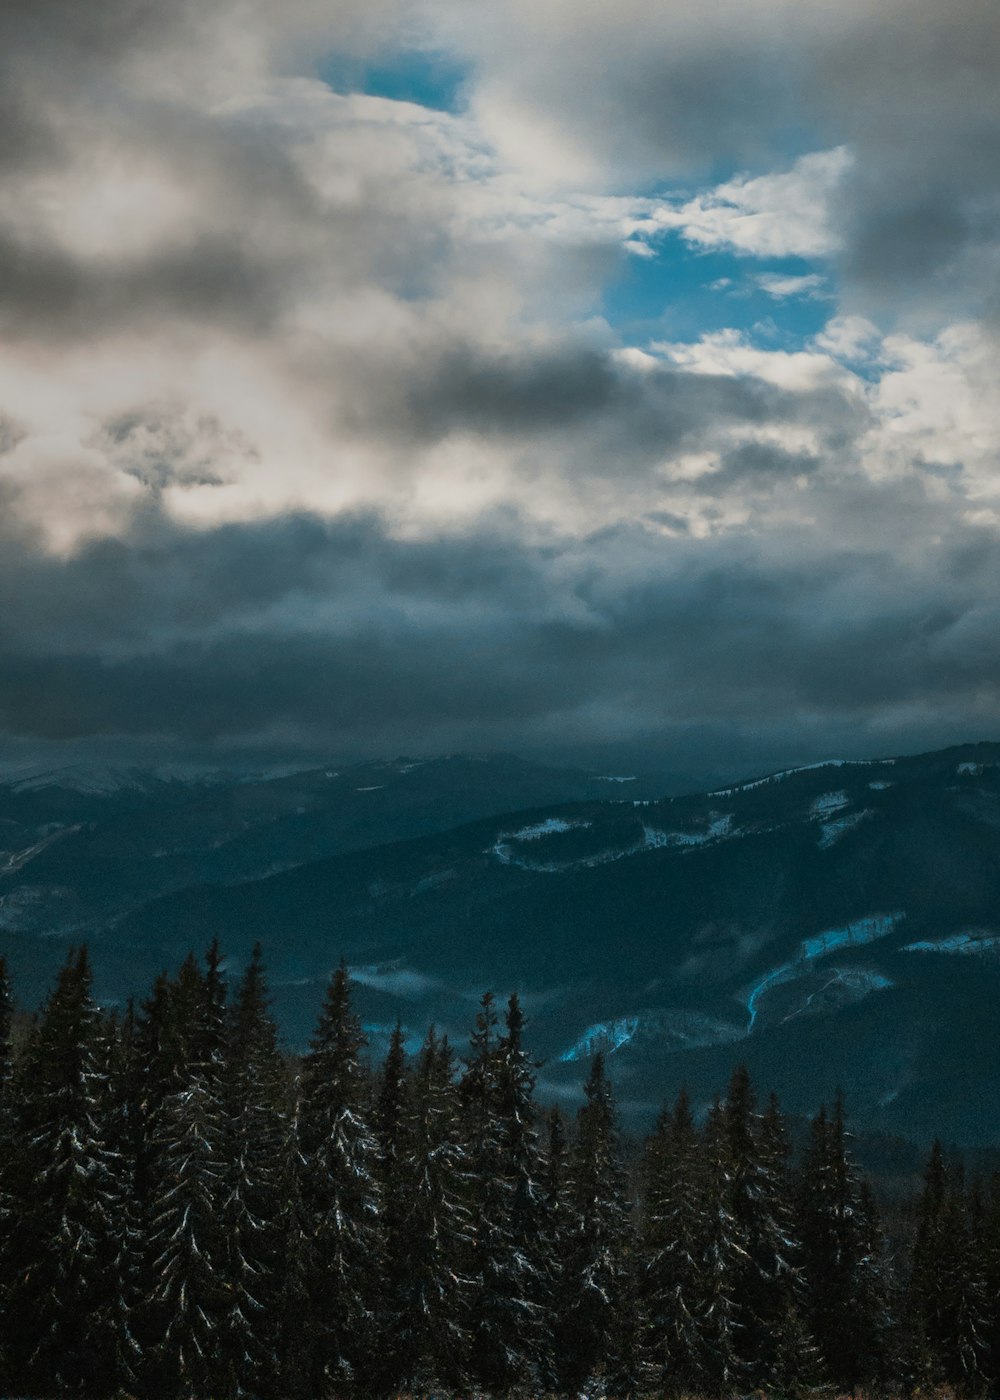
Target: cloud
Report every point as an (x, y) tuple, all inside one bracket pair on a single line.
[(908, 91), (340, 636), (781, 287), (317, 428), (769, 216)]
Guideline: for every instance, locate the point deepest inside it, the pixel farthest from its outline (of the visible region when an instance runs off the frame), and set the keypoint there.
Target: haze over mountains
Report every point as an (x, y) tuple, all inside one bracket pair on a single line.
[(832, 925)]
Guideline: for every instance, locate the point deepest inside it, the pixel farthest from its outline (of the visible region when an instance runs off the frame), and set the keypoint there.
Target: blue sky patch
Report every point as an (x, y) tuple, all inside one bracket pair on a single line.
[(682, 294), (428, 78)]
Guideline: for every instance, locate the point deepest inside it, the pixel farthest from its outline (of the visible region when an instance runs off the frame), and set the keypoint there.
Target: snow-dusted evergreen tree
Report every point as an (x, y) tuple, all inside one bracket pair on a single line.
[(430, 1291), (340, 1193), (987, 1223), (592, 1330), (389, 1123), (496, 1092), (6, 1046), (65, 1323), (723, 1260), (675, 1231), (170, 1043), (291, 1322), (7, 1216), (188, 1252), (525, 1278), (842, 1253), (768, 1283), (948, 1279), (188, 1151), (555, 1232), (255, 1100)]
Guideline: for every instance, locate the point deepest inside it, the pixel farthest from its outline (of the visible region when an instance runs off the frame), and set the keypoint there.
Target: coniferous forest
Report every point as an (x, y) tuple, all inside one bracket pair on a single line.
[(190, 1214)]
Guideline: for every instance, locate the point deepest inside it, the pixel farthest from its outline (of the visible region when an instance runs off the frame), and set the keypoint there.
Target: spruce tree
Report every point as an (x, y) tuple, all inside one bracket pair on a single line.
[(846, 1302), (188, 1252), (432, 1289), (340, 1193), (66, 1331), (555, 1233), (7, 1145), (724, 1259), (674, 1236), (255, 1102), (186, 1180), (496, 1089), (948, 1278), (767, 1282), (389, 1124), (592, 1332)]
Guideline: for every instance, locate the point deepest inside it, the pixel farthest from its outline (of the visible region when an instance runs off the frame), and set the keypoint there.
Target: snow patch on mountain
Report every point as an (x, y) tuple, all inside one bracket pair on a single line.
[(679, 1029), (16, 860), (969, 943), (545, 828), (828, 803), (718, 828), (91, 780), (831, 832), (551, 826), (845, 985), (853, 935), (806, 768)]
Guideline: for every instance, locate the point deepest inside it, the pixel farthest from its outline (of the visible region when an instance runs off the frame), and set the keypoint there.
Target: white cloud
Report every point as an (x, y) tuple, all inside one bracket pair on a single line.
[(849, 338), (789, 214), (781, 287), (734, 355)]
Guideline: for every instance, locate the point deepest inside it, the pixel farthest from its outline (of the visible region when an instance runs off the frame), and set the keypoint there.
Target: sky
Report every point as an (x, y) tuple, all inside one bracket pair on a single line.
[(593, 380)]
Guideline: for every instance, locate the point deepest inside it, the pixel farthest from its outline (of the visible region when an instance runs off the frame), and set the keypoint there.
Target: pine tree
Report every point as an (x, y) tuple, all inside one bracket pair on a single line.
[(521, 1163), (389, 1125), (842, 1254), (432, 1291), (340, 1194), (496, 1090), (188, 1251), (184, 1172), (767, 1283), (66, 1331), (674, 1238), (7, 1147), (255, 1102), (989, 1232), (6, 1045), (948, 1277), (554, 1237), (724, 1259), (592, 1334)]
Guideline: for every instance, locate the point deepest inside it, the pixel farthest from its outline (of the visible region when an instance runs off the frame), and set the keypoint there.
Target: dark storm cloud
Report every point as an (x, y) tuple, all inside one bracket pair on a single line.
[(47, 294), (614, 418), (756, 466), (341, 635)]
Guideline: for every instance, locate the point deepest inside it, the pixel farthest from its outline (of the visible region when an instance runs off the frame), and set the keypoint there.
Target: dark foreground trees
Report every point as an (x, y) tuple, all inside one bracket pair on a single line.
[(187, 1214)]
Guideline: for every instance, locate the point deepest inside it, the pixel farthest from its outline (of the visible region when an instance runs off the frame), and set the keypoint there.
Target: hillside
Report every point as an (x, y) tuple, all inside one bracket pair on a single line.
[(835, 925)]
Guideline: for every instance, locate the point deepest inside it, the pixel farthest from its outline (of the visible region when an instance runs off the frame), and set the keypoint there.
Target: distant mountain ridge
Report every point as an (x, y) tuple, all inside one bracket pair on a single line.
[(832, 925)]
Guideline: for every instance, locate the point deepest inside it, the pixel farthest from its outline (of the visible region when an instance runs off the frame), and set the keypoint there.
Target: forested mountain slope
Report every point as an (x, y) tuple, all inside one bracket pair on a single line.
[(831, 926)]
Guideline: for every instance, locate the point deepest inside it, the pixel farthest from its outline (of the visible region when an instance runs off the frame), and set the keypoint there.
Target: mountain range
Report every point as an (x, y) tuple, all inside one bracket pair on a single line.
[(836, 926)]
